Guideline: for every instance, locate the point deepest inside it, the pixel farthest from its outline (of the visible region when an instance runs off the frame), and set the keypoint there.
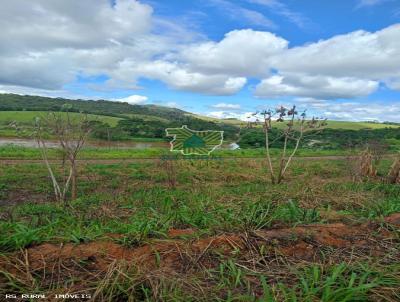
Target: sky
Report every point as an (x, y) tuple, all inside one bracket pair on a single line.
[(338, 59)]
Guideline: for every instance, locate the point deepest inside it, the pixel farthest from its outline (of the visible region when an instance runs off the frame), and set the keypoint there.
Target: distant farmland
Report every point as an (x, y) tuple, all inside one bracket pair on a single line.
[(28, 117)]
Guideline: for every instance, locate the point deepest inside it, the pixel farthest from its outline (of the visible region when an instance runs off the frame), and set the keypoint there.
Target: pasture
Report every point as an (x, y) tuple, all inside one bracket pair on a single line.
[(27, 119)]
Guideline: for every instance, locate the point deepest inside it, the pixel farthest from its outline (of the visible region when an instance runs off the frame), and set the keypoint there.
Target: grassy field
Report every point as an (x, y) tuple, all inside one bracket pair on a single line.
[(198, 230), (17, 152), (147, 117), (27, 118)]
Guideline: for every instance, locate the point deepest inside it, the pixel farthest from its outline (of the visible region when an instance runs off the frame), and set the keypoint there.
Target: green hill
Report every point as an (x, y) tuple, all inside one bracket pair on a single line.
[(119, 110), (27, 117), (14, 102), (121, 120)]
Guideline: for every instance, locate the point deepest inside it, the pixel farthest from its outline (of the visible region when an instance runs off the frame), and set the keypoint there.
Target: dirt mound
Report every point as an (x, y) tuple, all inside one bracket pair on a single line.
[(159, 253), (296, 241), (305, 242)]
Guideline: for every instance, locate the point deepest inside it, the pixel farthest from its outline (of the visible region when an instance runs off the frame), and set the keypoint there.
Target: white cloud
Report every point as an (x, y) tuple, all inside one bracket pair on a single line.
[(360, 54), (226, 106), (50, 42), (332, 109), (351, 110), (59, 40), (133, 99), (240, 53), (179, 76), (354, 111), (304, 85), (42, 24), (344, 66)]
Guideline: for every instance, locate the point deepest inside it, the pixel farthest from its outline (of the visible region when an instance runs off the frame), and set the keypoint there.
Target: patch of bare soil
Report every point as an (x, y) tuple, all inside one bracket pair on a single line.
[(74, 266)]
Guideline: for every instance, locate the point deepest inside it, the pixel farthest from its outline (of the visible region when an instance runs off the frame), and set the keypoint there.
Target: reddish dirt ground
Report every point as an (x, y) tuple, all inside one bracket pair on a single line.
[(299, 242), (88, 261)]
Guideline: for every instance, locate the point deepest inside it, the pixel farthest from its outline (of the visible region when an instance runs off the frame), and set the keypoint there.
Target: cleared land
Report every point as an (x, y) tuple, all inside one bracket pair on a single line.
[(202, 231)]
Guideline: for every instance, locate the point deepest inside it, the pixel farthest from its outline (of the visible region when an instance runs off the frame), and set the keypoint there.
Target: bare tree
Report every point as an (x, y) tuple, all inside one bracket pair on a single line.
[(71, 133), (293, 131)]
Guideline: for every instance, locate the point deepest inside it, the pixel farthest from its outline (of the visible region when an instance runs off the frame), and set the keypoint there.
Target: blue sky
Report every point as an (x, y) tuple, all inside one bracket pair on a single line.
[(339, 59)]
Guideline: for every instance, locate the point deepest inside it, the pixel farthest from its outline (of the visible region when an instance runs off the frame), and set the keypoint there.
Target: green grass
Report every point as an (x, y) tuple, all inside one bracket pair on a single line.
[(17, 152), (147, 117), (152, 207), (27, 117), (134, 204), (339, 283)]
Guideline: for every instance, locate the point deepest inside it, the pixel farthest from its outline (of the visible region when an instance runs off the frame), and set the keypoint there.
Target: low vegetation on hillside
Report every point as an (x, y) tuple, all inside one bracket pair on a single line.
[(111, 120), (121, 121)]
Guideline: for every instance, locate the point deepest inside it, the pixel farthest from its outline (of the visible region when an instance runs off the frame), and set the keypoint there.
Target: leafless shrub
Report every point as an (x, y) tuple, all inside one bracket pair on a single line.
[(294, 130), (366, 164), (378, 150), (71, 134)]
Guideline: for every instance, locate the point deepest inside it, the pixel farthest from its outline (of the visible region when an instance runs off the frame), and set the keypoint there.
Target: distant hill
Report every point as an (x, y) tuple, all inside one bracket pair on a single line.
[(15, 102), (125, 121)]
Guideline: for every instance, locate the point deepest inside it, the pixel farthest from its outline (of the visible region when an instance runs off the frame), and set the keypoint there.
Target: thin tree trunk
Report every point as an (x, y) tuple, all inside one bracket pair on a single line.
[(271, 169), (292, 155), (73, 180), (282, 161), (56, 187), (66, 186)]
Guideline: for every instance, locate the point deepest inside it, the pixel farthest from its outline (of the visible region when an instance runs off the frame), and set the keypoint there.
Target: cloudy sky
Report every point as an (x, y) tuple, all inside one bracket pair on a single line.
[(340, 59)]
